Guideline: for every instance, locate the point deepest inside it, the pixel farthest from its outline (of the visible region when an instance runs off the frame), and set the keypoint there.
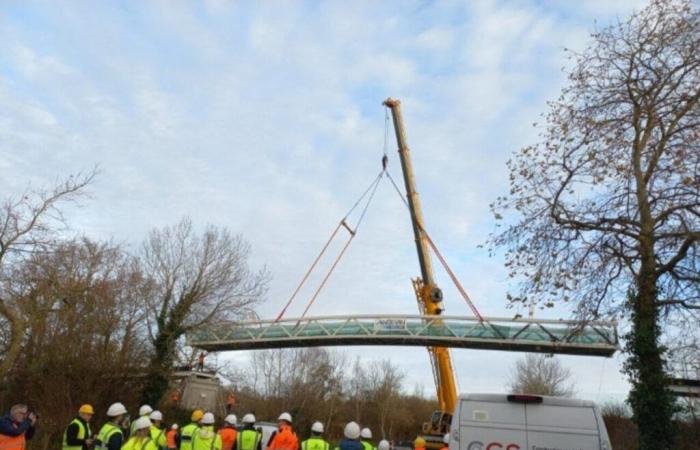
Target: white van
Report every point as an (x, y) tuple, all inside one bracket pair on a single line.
[(526, 422)]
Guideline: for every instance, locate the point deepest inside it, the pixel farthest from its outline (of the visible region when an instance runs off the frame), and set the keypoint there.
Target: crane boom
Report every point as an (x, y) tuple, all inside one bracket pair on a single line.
[(428, 293)]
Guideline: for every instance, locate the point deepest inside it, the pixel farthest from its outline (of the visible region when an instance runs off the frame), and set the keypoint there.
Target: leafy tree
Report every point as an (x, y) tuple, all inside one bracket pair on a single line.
[(541, 375), (609, 199), (28, 223), (197, 280)]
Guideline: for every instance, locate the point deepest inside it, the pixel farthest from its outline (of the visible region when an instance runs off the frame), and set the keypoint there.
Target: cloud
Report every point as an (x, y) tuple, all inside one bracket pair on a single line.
[(267, 119)]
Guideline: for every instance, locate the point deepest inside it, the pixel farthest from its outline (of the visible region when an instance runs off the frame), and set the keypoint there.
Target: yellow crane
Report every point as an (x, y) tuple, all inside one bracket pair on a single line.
[(428, 293)]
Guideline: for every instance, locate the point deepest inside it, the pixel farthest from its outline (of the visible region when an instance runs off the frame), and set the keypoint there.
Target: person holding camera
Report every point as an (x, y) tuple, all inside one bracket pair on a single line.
[(17, 428)]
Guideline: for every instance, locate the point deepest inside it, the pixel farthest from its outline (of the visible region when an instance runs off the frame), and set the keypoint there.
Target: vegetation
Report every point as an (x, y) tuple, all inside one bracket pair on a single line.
[(318, 384), (541, 375), (608, 200)]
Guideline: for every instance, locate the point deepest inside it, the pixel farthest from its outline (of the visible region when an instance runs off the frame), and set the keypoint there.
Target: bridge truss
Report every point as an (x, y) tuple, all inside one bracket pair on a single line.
[(523, 335)]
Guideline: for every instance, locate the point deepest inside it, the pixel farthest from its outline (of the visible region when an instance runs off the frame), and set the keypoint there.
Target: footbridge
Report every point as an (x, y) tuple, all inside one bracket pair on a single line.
[(522, 335)]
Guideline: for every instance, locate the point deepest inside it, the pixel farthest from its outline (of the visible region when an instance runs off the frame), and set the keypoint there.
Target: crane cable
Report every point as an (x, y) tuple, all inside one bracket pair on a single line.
[(371, 189), (441, 258)]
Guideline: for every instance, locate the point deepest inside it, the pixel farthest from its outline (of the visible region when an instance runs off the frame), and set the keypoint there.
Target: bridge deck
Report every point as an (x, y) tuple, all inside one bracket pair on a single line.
[(526, 335)]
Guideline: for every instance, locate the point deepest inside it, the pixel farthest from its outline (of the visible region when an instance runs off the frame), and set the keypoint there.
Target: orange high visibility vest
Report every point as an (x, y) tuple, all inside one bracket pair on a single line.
[(285, 439), (170, 437), (228, 437), (13, 442)]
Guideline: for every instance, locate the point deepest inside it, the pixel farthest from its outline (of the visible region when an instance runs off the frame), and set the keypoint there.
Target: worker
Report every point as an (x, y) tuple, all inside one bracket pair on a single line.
[(351, 441), (316, 441), (111, 436), (284, 438), (171, 437), (200, 361), (144, 411), (248, 438), (446, 441), (366, 436), (230, 402), (190, 429), (158, 433), (141, 439), (419, 444), (17, 428), (228, 432), (383, 445), (206, 438), (78, 435)]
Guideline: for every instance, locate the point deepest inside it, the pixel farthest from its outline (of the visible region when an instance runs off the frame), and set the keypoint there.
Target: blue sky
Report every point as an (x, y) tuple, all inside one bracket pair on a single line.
[(266, 117)]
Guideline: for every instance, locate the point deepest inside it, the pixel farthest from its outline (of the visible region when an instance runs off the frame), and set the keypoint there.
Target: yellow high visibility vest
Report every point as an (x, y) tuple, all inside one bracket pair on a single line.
[(186, 434), (315, 443), (106, 432), (248, 440), (83, 432)]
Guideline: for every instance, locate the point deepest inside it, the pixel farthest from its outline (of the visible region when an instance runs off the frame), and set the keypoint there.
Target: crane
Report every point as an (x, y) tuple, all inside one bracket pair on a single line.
[(428, 294)]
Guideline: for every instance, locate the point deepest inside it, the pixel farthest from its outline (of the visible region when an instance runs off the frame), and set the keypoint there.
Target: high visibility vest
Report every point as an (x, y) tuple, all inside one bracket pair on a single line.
[(285, 439), (106, 432), (368, 445), (13, 442), (158, 437), (186, 434), (228, 437), (139, 443), (170, 438), (83, 433), (315, 443), (247, 440), (206, 439)]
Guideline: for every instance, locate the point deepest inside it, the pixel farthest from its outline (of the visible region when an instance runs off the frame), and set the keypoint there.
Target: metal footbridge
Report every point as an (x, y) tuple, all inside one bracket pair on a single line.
[(523, 335)]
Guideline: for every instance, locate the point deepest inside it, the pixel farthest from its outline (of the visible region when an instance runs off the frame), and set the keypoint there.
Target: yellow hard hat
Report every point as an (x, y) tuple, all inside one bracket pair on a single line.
[(419, 442), (197, 415), (86, 409)]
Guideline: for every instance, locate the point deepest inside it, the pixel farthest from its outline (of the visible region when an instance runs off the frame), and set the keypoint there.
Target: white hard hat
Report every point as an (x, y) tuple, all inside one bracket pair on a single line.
[(249, 418), (286, 417), (174, 426), (352, 430), (446, 438), (145, 410), (383, 445), (156, 415), (116, 409), (366, 433), (232, 419), (317, 427), (141, 423), (207, 419)]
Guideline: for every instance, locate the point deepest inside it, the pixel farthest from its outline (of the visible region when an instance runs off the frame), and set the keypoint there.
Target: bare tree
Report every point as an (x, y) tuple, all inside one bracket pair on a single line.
[(541, 375), (197, 280), (28, 223), (608, 203)]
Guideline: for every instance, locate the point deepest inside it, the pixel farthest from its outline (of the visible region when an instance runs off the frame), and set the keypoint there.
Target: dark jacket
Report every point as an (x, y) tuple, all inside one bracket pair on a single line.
[(8, 428), (72, 433), (350, 444)]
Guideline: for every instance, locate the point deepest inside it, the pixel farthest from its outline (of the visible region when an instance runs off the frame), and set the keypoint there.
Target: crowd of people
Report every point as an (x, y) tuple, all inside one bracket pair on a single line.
[(148, 432)]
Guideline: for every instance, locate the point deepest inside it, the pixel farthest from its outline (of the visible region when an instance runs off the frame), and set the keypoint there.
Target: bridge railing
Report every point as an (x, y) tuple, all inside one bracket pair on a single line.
[(596, 338)]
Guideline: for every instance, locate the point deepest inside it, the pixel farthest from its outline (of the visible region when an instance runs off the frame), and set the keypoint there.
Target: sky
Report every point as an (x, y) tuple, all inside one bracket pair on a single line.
[(266, 118)]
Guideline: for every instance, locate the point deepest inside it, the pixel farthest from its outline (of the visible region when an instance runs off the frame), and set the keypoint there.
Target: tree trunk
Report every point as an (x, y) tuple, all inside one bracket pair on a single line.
[(157, 379), (651, 402), (15, 344)]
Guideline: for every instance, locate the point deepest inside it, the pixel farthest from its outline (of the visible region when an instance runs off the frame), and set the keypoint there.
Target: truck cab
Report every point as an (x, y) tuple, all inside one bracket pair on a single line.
[(526, 422)]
